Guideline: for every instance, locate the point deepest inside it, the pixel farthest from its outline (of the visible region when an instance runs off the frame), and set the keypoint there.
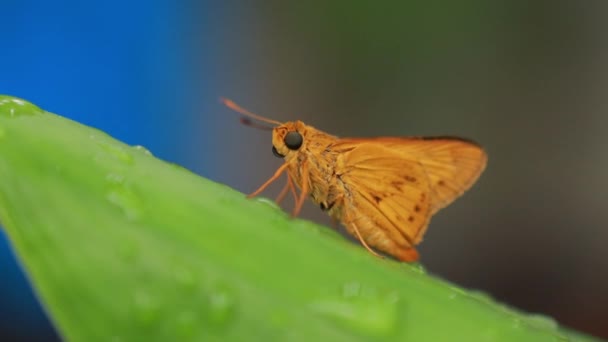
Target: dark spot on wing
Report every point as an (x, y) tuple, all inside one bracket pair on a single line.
[(417, 208), (411, 218), (441, 183), (377, 199), (397, 185), (410, 178)]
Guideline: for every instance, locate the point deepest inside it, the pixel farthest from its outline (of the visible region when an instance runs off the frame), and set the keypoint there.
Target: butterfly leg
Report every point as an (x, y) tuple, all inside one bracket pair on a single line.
[(363, 241), (282, 194), (401, 254), (303, 190), (274, 177), (406, 254), (288, 186)]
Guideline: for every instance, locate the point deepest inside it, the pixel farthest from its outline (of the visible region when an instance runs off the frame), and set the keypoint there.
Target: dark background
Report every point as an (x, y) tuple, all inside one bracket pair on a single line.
[(527, 79)]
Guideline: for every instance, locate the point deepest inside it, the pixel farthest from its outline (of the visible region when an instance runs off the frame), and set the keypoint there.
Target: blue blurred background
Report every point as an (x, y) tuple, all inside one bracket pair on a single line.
[(526, 79)]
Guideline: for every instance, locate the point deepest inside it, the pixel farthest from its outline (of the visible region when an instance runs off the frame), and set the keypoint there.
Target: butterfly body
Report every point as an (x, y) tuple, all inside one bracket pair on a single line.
[(383, 190)]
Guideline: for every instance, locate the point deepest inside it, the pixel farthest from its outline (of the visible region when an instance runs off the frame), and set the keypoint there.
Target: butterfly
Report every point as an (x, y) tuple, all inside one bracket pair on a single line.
[(383, 190)]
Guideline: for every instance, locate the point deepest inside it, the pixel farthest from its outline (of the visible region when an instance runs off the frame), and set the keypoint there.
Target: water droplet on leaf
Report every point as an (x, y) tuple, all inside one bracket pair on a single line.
[(361, 310), (115, 178), (115, 151), (541, 321), (480, 296), (417, 267), (124, 198), (267, 202), (14, 107), (142, 149)]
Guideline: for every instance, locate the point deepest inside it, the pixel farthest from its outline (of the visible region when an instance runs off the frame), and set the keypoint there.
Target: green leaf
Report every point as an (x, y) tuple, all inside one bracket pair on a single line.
[(122, 246)]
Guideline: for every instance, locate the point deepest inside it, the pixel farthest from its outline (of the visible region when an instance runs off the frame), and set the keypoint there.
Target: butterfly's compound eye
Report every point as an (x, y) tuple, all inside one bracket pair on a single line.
[(276, 153), (293, 140)]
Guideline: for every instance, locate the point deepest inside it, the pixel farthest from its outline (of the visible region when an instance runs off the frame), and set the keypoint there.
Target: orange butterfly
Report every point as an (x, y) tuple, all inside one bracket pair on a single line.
[(383, 190)]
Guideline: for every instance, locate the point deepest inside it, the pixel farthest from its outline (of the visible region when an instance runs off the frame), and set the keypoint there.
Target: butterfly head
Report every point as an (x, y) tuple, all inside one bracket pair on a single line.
[(288, 138)]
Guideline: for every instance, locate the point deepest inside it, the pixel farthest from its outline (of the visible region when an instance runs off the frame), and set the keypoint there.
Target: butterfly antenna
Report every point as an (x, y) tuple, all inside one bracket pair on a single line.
[(230, 104), (248, 122)]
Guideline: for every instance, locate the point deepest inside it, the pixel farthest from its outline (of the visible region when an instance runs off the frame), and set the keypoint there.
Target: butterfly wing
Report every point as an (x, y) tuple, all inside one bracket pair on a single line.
[(389, 196), (452, 165), (401, 182)]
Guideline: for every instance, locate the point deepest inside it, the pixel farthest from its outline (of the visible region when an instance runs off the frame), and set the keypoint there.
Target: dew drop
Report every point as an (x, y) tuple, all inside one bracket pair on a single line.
[(124, 198), (97, 134), (147, 308), (116, 151), (542, 321), (267, 202), (516, 323), (456, 292), (417, 267), (115, 178), (362, 311), (142, 149), (13, 107), (480, 296)]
